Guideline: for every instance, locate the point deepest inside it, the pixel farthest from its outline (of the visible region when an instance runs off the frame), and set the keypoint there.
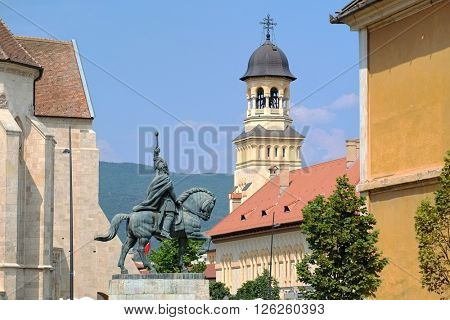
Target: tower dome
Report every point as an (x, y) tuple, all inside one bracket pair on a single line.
[(268, 60)]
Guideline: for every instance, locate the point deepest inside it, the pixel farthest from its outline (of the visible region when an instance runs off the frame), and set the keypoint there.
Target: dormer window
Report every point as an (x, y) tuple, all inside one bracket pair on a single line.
[(260, 99), (263, 213), (286, 209), (243, 218), (273, 100)]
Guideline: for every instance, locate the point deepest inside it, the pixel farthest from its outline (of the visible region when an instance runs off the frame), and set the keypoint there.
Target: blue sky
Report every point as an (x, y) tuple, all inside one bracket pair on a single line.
[(186, 57)]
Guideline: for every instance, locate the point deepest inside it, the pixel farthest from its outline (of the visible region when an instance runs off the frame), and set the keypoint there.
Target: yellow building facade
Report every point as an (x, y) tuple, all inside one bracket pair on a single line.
[(404, 73)]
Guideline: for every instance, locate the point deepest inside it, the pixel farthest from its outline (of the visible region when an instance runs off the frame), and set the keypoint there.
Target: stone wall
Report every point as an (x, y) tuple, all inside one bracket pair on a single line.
[(26, 185), (164, 286), (34, 200), (94, 262)]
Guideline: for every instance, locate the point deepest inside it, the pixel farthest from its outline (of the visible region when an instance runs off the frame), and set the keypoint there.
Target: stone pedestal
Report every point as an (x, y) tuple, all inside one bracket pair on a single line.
[(162, 286)]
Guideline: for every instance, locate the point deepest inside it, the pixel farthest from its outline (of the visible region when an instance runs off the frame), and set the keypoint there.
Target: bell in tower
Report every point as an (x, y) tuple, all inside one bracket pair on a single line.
[(268, 139)]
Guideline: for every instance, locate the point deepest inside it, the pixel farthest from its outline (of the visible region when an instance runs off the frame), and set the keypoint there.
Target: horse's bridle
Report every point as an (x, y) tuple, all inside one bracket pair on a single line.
[(200, 214)]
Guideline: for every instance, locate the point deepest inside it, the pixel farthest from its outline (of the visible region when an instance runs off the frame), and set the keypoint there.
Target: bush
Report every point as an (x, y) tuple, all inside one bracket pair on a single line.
[(432, 230), (218, 291), (165, 259), (259, 289)]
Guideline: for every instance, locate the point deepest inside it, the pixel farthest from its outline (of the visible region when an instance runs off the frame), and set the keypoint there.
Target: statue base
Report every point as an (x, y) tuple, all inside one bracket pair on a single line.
[(161, 286)]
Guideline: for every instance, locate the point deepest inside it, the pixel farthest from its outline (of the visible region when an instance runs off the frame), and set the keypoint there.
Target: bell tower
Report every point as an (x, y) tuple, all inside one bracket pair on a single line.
[(268, 141)]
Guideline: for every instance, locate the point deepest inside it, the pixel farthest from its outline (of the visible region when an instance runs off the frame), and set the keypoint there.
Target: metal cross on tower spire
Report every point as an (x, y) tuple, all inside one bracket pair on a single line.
[(268, 25)]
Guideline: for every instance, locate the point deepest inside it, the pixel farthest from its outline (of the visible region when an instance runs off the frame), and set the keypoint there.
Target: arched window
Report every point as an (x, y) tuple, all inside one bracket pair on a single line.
[(268, 152), (273, 100), (260, 100)]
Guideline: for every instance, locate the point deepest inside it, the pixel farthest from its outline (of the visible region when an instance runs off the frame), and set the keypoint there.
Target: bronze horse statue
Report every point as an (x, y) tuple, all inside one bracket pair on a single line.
[(193, 205)]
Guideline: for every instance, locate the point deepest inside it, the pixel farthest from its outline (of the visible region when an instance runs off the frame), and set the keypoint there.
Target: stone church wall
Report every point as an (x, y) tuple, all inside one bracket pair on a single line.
[(94, 262)]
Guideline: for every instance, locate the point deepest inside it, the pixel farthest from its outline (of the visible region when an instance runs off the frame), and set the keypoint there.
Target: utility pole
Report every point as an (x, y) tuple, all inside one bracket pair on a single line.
[(271, 252), (280, 192)]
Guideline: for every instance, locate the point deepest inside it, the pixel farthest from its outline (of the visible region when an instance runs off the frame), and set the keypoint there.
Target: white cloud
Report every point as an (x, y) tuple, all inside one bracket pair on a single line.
[(310, 116), (349, 100), (324, 114), (106, 151), (323, 145)]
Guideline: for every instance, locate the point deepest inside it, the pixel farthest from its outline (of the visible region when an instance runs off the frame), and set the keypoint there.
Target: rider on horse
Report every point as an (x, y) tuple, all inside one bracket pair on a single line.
[(160, 195)]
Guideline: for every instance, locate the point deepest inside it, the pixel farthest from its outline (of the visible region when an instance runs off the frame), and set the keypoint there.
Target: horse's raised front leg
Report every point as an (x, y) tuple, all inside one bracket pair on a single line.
[(203, 237), (182, 243), (129, 243)]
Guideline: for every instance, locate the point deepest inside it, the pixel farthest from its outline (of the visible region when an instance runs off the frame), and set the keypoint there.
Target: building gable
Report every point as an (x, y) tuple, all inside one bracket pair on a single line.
[(61, 91)]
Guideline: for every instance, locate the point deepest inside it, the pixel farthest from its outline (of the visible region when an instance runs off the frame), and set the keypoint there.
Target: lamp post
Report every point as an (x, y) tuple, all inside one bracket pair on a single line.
[(271, 247), (71, 272)]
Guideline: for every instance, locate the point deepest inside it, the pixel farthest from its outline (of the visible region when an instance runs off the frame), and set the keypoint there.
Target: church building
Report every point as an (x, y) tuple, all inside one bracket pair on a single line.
[(43, 92), (262, 230)]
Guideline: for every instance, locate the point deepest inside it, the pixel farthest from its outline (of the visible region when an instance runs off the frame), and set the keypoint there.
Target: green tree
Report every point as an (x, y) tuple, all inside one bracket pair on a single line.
[(344, 262), (165, 258), (218, 291), (433, 234), (259, 289)]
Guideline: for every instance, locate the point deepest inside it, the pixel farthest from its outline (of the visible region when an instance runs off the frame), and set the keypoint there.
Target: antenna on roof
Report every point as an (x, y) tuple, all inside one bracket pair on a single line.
[(268, 24)]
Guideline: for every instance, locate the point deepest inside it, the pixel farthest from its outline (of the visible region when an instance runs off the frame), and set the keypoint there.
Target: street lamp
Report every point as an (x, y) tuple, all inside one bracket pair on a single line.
[(69, 151), (271, 250)]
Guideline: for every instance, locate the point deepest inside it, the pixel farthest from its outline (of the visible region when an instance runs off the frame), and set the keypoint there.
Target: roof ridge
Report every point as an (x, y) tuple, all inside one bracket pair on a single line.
[(318, 164), (19, 37), (296, 170), (18, 43)]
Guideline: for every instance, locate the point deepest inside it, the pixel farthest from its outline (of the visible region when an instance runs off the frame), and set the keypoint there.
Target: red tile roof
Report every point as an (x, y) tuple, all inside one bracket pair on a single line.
[(60, 91), (305, 184), (210, 271), (12, 51)]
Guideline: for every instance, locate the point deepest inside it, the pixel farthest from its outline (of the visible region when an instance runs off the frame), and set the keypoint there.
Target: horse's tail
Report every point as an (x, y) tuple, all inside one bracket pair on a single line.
[(115, 222)]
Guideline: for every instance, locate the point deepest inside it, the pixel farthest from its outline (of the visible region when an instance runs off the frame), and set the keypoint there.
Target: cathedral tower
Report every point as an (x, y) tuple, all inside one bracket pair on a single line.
[(268, 142)]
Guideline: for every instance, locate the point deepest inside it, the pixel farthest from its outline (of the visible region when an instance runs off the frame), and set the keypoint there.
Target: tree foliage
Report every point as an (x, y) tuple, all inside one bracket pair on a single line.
[(433, 234), (218, 291), (165, 258), (344, 262), (259, 289)]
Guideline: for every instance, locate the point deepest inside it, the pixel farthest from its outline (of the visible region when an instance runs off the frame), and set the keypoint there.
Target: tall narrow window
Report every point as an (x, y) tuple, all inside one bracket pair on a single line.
[(284, 152), (273, 100), (260, 100), (268, 152), (276, 152)]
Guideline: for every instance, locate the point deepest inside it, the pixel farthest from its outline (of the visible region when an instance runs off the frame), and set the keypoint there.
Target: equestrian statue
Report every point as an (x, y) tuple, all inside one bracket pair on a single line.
[(164, 216)]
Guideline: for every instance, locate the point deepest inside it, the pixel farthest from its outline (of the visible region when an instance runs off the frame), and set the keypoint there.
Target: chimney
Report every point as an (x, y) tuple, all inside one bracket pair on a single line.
[(352, 146), (284, 178), (235, 200), (273, 171)]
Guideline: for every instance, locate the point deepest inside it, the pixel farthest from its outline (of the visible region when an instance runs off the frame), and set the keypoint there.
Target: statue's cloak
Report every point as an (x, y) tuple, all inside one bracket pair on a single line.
[(157, 191)]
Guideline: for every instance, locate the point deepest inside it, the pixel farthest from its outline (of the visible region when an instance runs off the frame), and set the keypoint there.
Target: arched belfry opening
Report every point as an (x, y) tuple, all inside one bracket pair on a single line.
[(260, 99), (273, 100)]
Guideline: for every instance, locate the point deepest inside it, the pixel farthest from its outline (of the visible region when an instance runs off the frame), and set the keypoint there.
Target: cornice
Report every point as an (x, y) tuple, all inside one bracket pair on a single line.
[(383, 13)]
